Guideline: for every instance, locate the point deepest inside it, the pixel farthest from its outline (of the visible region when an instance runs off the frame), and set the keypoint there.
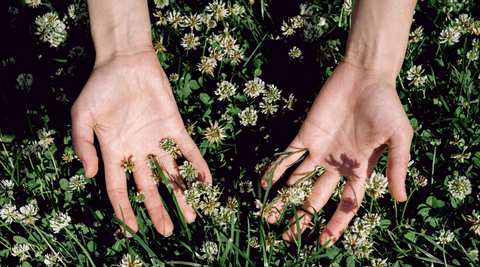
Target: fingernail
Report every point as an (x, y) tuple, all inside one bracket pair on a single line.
[(169, 235)]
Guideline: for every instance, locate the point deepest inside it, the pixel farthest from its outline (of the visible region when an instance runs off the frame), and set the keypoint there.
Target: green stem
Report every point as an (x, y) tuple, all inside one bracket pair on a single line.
[(433, 162), (406, 203), (444, 257), (48, 243), (395, 206), (81, 246), (54, 165)]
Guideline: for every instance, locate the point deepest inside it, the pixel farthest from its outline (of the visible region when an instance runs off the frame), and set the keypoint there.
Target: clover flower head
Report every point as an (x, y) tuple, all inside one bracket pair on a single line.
[(128, 261), (214, 133), (307, 252), (77, 182), (245, 187), (416, 36), (129, 164), (188, 171), (376, 185), (444, 237), (450, 36), (474, 219), (60, 221), (414, 74), (27, 214), (254, 88), (169, 146), (161, 3), (225, 90), (6, 187), (21, 251), (210, 249), (8, 213), (51, 260), (295, 53), (248, 117), (460, 187)]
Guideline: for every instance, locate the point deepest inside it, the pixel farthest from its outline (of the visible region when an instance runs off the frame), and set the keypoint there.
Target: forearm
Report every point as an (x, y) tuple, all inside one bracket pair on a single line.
[(120, 27), (379, 35)]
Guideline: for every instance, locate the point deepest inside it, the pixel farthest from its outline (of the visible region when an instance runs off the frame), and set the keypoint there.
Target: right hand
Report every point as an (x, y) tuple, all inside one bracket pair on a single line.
[(130, 106)]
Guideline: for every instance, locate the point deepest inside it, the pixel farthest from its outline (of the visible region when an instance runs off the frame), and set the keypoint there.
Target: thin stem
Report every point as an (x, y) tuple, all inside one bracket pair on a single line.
[(81, 246), (48, 243), (406, 203)]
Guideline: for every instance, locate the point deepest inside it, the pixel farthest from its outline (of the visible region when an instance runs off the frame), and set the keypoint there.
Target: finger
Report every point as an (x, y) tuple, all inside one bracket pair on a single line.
[(171, 166), (82, 140), (278, 171), (321, 193), (116, 184), (190, 150), (300, 172), (397, 163), (157, 212), (347, 208)]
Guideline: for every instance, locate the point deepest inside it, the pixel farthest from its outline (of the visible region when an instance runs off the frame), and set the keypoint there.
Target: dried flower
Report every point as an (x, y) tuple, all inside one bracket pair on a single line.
[(214, 133), (129, 164)]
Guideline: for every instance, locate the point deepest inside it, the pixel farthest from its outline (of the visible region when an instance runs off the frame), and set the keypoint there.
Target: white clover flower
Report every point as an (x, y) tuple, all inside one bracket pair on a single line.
[(224, 217), (174, 18), (27, 214), (127, 261), (33, 3), (462, 156), (254, 87), (272, 94), (229, 45), (347, 7), (459, 187), (245, 187), (60, 221), (379, 263), (51, 29), (444, 237), (320, 21), (210, 249), (8, 213), (225, 90), (376, 185), (51, 260), (188, 171), (215, 133), (473, 254), (77, 182), (218, 10), (77, 12), (248, 117), (289, 102), (295, 53), (268, 108), (193, 21), (21, 251), (338, 191), (9, 61), (474, 220), (173, 77), (253, 242), (77, 53), (44, 137), (25, 81), (169, 146), (190, 41), (6, 187), (307, 252), (161, 3), (463, 23), (207, 65), (311, 32), (414, 74), (287, 29), (450, 36), (371, 220), (416, 36), (238, 10)]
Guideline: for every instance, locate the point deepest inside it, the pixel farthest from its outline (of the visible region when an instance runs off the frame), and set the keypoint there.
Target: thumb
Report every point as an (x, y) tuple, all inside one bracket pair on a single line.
[(82, 139), (397, 163)]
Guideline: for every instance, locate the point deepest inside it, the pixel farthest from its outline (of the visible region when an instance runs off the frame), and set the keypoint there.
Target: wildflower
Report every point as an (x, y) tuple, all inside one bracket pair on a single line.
[(287, 29), (245, 187), (173, 77), (232, 204), (174, 18), (169, 146), (77, 182), (216, 54), (226, 117), (297, 21), (311, 32), (192, 197), (267, 211), (462, 156), (188, 171), (436, 142), (238, 10), (237, 55), (472, 55), (193, 21), (260, 168), (295, 53), (416, 36), (68, 157), (156, 178), (460, 187), (473, 254), (272, 94), (214, 133), (458, 141), (474, 219), (379, 263), (51, 29), (209, 205), (224, 217), (24, 80), (207, 65), (119, 234), (51, 260), (162, 20), (307, 252), (353, 242), (79, 226), (254, 87), (12, 10), (33, 3), (127, 261), (8, 213), (27, 214), (225, 90), (371, 220), (292, 195), (8, 62), (421, 181), (229, 45), (463, 23), (161, 3), (158, 46), (77, 13), (415, 75), (190, 41), (6, 187), (190, 127), (59, 222), (347, 7), (271, 242), (321, 225), (376, 185), (21, 251), (140, 197), (449, 35), (268, 108), (129, 164), (210, 249), (253, 242), (218, 10), (44, 137), (248, 117), (444, 237), (289, 102)]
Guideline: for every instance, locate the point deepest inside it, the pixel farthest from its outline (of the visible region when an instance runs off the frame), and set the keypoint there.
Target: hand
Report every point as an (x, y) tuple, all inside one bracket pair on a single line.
[(129, 105), (356, 115)]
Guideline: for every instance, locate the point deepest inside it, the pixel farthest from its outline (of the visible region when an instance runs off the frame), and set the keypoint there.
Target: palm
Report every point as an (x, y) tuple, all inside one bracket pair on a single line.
[(129, 104), (353, 120)]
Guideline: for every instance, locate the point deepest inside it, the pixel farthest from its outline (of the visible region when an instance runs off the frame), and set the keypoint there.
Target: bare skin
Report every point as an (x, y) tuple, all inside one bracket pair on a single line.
[(356, 116)]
